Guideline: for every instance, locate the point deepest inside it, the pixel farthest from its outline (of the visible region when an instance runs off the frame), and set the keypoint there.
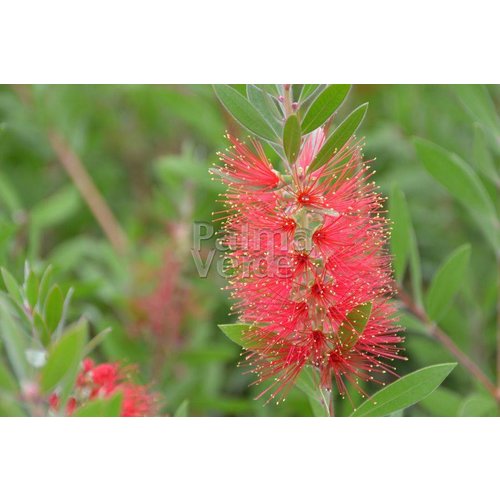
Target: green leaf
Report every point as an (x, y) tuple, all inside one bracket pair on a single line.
[(244, 112), (307, 90), (235, 332), (45, 283), (291, 138), (309, 383), (405, 392), (65, 356), (462, 182), (270, 88), (455, 175), (482, 156), (265, 105), (401, 231), (7, 380), (415, 268), (324, 106), (339, 136), (96, 341), (354, 325), (478, 405), (12, 286), (8, 195), (109, 407), (477, 101), (9, 406), (66, 303), (447, 282), (15, 342), (54, 308), (182, 411), (41, 328), (31, 289), (442, 403), (56, 209)]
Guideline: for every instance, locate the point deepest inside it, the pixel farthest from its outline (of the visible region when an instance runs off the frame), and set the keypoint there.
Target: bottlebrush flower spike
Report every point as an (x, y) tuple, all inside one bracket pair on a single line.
[(161, 311), (309, 266), (102, 381)]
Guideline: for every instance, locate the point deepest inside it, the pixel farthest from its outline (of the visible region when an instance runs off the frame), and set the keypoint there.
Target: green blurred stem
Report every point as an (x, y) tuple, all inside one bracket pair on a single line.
[(446, 341)]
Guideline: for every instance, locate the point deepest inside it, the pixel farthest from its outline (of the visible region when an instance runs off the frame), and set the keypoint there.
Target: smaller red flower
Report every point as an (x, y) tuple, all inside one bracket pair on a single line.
[(102, 381)]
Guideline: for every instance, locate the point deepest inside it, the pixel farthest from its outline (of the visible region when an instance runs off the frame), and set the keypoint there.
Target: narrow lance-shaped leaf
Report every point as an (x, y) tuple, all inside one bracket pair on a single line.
[(477, 101), (404, 246), (463, 183), (41, 328), (479, 405), (339, 136), (350, 330), (446, 282), (31, 289), (235, 332), (324, 106), (45, 282), (244, 112), (265, 105), (401, 231), (64, 357), (455, 175), (270, 88), (57, 208), (15, 341), (12, 286), (405, 392), (415, 268), (182, 410), (108, 407), (307, 90), (291, 138), (54, 308), (319, 399), (442, 403), (482, 156), (8, 195), (7, 381)]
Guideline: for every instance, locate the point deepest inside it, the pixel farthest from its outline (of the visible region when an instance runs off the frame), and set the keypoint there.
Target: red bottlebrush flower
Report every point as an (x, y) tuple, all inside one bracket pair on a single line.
[(319, 236), (102, 381), (160, 312), (137, 402), (104, 375), (243, 167)]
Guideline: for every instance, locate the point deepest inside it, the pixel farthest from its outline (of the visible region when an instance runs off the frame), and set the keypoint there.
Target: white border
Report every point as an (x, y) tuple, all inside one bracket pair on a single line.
[(366, 41), (249, 458)]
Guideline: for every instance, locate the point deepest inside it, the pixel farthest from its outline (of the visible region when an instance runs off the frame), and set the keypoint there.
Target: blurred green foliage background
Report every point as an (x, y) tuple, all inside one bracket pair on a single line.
[(148, 150)]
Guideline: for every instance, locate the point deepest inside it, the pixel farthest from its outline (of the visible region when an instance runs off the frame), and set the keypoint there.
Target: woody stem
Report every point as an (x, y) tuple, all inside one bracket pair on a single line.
[(446, 341), (77, 172)]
